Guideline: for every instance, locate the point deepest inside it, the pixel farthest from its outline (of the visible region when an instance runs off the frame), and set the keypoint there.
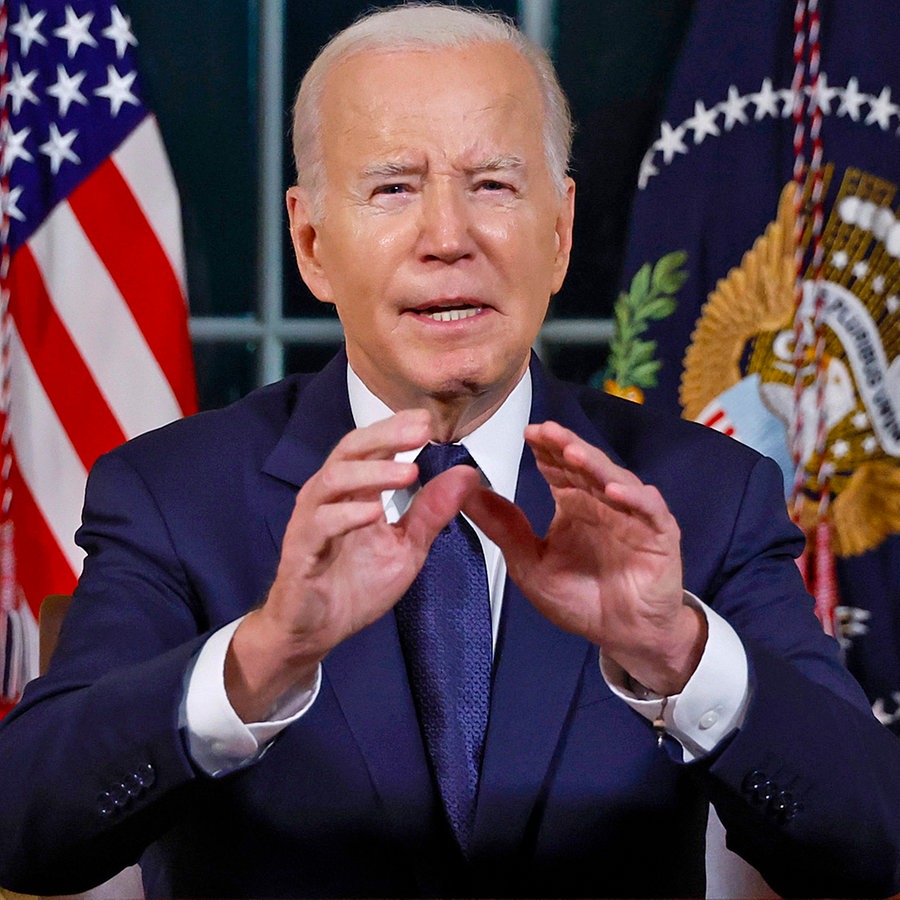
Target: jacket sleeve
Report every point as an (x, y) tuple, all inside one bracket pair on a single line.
[(809, 787), (93, 762)]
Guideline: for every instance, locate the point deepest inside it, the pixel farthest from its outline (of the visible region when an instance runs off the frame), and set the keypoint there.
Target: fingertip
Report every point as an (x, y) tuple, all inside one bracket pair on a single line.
[(409, 472), (457, 482), (415, 426), (549, 432)]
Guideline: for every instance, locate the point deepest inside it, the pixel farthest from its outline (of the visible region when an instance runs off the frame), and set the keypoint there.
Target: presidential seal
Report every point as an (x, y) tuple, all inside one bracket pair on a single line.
[(829, 417)]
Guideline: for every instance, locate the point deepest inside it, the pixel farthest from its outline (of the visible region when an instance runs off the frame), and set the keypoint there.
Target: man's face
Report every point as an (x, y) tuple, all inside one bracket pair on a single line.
[(442, 235)]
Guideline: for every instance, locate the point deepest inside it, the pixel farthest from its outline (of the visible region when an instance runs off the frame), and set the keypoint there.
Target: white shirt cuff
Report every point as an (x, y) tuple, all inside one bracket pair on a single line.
[(714, 701), (218, 741)]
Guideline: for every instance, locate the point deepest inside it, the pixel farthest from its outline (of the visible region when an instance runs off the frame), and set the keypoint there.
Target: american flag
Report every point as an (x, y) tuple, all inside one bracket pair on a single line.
[(93, 318)]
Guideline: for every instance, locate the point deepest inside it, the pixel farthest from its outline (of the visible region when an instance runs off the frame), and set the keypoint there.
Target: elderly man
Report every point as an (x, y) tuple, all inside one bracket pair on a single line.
[(293, 669)]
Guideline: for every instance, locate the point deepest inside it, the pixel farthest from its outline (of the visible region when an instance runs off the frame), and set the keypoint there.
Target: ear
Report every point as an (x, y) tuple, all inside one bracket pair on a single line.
[(564, 223), (306, 240)]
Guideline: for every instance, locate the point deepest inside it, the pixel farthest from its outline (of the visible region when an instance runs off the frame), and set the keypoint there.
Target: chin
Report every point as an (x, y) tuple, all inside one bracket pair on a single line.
[(469, 382), (438, 380)]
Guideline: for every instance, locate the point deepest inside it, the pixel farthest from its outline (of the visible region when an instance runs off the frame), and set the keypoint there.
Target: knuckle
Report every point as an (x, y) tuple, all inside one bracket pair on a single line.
[(329, 478)]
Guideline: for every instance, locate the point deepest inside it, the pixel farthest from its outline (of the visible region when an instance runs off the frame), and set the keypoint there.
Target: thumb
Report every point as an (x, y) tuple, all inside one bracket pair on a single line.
[(436, 504), (506, 525)]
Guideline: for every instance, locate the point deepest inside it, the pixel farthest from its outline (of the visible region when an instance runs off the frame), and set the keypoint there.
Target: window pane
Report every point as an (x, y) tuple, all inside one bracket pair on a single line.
[(199, 75), (614, 60), (582, 363), (308, 357), (225, 371)]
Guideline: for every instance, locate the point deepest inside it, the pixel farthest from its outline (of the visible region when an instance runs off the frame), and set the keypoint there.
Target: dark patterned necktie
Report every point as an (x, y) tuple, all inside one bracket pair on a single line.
[(444, 622)]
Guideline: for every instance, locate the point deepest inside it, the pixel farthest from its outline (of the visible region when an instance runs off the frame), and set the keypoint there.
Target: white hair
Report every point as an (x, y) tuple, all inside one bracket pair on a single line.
[(424, 26)]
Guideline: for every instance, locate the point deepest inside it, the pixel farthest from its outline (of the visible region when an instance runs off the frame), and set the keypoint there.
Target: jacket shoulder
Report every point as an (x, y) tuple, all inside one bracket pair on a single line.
[(250, 426), (640, 434)]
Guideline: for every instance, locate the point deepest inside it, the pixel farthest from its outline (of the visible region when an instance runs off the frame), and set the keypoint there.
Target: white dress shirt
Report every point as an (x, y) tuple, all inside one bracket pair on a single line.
[(710, 707)]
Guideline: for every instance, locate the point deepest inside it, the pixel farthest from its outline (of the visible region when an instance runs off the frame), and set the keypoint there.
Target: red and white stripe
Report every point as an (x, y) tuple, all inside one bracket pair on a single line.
[(98, 347)]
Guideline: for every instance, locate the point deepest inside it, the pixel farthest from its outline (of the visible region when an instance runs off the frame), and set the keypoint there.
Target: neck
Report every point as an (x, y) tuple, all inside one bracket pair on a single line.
[(453, 418), (455, 413)]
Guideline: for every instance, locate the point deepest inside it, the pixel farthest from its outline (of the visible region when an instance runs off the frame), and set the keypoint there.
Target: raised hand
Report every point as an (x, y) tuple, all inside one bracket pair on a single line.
[(609, 567), (342, 564)]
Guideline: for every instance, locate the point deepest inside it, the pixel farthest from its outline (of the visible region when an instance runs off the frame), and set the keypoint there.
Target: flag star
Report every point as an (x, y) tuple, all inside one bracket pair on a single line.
[(860, 421), (76, 31), (8, 200), (117, 90), (822, 94), (648, 169), (733, 108), (893, 303), (19, 88), (861, 269), (703, 122), (839, 259), (67, 89), (27, 29), (670, 141), (851, 101), (881, 109), (870, 444), (119, 30), (59, 147), (878, 283), (13, 144), (766, 101)]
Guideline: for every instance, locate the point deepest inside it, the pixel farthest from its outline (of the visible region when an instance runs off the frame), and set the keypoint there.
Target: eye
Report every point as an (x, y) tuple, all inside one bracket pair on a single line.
[(495, 189), (392, 189), (492, 185)]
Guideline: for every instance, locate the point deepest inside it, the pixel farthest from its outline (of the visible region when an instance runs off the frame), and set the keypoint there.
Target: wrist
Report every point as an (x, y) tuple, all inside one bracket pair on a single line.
[(262, 663), (663, 667)]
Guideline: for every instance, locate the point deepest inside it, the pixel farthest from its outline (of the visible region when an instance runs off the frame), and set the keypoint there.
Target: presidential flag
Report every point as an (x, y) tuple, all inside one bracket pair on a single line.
[(93, 317), (771, 188)]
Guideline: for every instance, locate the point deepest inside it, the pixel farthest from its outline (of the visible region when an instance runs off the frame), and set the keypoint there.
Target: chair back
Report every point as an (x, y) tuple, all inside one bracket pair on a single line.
[(53, 611)]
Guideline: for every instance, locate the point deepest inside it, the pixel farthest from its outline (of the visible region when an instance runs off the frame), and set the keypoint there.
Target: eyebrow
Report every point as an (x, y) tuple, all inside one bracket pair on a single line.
[(496, 164), (397, 169), (390, 170)]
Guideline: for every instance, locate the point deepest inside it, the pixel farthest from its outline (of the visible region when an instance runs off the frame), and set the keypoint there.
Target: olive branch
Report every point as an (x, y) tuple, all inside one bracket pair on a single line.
[(649, 298)]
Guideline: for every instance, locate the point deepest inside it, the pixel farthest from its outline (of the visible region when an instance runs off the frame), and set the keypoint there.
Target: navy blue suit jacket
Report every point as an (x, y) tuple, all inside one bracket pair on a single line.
[(183, 528)]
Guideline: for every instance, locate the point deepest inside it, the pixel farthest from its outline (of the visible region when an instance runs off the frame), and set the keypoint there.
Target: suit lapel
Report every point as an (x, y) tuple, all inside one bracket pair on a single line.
[(365, 674), (320, 418), (538, 666)]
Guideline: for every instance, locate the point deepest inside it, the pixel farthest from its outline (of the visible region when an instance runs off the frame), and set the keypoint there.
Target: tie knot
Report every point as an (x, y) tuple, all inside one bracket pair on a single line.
[(436, 458)]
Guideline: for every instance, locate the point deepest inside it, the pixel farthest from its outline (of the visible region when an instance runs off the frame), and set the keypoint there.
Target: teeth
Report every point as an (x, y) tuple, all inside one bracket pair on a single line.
[(453, 315)]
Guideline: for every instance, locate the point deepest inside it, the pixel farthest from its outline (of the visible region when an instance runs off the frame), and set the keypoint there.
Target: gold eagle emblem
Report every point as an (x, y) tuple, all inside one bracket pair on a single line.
[(740, 373)]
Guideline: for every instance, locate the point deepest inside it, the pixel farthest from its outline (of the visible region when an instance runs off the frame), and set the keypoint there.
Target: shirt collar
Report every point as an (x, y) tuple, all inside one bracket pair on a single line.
[(496, 445)]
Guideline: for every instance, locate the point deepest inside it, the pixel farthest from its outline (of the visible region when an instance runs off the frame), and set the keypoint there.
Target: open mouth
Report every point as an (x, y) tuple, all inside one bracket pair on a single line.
[(449, 313)]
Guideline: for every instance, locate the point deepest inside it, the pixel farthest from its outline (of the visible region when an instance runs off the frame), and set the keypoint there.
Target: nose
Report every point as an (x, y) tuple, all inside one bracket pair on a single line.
[(445, 231)]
